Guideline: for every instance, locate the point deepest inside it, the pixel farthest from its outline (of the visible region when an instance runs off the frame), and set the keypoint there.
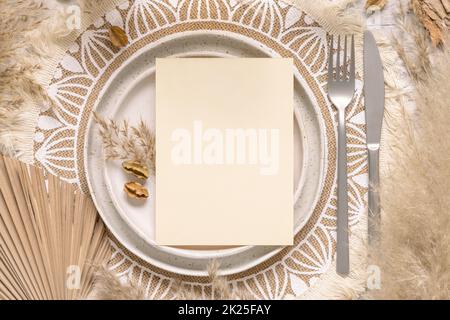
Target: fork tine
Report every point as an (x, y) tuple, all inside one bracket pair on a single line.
[(330, 60), (338, 59), (352, 61), (344, 61)]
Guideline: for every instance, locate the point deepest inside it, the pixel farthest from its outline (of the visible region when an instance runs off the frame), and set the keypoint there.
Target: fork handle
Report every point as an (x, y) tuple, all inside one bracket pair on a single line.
[(342, 250)]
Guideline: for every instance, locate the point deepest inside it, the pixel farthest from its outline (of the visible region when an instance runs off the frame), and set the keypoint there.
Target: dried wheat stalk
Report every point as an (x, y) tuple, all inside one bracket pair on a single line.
[(49, 231), (124, 142)]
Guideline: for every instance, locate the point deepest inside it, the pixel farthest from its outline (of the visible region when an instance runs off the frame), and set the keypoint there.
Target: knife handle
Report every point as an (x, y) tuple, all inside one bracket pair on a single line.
[(342, 249), (374, 195)]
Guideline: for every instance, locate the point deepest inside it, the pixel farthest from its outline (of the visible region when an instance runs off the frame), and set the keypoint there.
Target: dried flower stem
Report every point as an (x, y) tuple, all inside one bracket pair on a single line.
[(124, 142)]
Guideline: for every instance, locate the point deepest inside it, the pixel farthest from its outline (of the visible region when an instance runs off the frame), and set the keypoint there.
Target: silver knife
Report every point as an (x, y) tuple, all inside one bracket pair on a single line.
[(374, 104)]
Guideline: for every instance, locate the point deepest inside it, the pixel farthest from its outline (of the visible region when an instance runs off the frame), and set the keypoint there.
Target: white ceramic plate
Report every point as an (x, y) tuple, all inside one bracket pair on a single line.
[(129, 94)]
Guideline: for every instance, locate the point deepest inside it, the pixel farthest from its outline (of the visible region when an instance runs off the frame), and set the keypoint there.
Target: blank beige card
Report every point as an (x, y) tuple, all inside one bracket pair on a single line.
[(224, 151)]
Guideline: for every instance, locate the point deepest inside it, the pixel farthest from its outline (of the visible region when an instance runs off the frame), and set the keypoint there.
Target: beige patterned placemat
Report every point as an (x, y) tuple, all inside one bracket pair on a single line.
[(290, 31)]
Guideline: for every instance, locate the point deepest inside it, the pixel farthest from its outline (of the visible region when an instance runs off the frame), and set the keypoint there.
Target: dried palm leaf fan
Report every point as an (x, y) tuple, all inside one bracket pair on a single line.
[(50, 235)]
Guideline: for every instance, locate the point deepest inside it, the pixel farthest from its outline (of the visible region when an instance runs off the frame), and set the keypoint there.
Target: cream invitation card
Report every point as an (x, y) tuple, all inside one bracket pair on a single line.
[(224, 151)]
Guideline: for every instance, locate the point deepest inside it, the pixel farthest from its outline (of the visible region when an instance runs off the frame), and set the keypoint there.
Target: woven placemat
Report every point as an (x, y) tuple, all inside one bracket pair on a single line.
[(287, 30)]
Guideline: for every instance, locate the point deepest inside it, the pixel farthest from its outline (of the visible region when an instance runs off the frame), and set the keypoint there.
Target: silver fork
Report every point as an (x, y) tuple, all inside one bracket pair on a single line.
[(341, 88)]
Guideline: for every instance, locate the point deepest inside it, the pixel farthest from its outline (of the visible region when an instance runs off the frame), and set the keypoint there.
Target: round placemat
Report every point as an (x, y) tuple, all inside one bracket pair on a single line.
[(288, 31)]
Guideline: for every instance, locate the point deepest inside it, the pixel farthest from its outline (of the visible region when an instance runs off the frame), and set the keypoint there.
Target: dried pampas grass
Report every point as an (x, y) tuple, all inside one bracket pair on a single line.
[(17, 20), (7, 151), (414, 251), (412, 45), (88, 6), (221, 288), (108, 287), (124, 142), (27, 31), (50, 236)]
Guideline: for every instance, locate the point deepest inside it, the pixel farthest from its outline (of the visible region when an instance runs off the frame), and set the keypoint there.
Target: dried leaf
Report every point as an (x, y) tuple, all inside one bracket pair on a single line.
[(374, 5), (136, 168), (118, 37), (446, 5), (135, 190), (434, 16)]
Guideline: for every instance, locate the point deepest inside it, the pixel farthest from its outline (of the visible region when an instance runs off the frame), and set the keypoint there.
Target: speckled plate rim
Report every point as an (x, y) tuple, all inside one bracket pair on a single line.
[(274, 250)]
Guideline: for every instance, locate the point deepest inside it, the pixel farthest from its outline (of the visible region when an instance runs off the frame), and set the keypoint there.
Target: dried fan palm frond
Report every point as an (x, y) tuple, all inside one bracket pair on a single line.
[(50, 235), (124, 142)]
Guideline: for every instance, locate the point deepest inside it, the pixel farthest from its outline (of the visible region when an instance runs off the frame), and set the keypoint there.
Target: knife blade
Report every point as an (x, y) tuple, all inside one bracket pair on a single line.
[(374, 107)]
